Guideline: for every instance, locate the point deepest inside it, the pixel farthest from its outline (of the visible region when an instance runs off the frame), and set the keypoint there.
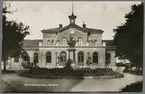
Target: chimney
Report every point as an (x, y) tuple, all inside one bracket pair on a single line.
[(84, 25), (60, 25)]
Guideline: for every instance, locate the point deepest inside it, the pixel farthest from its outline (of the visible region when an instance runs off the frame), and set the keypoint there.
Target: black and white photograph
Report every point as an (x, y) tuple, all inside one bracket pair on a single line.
[(72, 46)]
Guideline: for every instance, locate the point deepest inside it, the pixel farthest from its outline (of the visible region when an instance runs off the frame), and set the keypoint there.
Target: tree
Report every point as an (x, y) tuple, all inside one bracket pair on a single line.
[(13, 36), (128, 37)]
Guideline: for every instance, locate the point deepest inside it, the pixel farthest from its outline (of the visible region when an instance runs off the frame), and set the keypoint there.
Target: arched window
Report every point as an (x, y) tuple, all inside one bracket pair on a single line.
[(91, 42), (64, 41), (57, 42), (81, 56), (48, 42), (80, 41), (63, 56), (35, 57), (52, 41), (108, 58), (48, 57), (95, 57), (95, 42)]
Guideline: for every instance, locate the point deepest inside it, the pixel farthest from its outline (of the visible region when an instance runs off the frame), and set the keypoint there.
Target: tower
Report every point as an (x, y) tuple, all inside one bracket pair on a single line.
[(72, 17)]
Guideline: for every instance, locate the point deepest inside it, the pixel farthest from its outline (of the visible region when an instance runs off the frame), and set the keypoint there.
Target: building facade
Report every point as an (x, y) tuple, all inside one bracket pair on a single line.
[(52, 50)]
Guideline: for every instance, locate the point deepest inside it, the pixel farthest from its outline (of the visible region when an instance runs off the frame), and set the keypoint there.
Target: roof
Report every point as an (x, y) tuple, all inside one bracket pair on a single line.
[(73, 26), (34, 43), (51, 30), (92, 30), (109, 42), (55, 30)]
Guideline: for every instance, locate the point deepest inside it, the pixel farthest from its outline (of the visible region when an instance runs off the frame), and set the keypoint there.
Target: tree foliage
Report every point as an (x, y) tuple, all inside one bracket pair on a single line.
[(13, 36), (128, 37)]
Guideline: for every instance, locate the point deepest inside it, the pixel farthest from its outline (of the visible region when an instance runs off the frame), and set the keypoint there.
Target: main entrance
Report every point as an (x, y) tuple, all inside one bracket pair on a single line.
[(63, 59)]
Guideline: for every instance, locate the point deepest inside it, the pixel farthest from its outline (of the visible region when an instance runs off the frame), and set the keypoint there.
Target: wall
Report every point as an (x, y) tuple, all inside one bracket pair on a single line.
[(47, 36), (97, 37), (43, 50), (66, 33), (113, 61)]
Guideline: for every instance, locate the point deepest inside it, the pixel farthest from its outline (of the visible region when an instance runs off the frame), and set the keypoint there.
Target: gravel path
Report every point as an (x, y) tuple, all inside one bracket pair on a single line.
[(15, 83), (107, 85)]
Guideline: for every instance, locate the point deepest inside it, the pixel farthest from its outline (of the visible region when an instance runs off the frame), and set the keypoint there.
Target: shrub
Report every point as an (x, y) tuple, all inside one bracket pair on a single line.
[(134, 87), (67, 72), (8, 71)]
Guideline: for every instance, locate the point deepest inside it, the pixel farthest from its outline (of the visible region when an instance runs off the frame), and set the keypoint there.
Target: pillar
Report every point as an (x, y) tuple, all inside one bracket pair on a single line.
[(76, 55), (56, 58)]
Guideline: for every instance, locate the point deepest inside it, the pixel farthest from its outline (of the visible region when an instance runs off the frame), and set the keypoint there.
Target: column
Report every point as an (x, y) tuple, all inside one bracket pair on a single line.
[(76, 55), (53, 59), (56, 58), (101, 57), (40, 59), (43, 59), (85, 57)]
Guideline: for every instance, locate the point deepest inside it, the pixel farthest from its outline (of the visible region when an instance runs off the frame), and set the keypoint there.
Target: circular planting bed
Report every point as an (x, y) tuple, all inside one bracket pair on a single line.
[(71, 73)]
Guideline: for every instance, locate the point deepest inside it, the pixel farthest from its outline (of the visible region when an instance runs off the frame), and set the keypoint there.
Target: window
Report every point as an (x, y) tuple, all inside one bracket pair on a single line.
[(63, 41), (48, 42), (95, 57), (48, 57), (52, 41), (91, 42), (80, 56), (80, 41), (16, 59), (57, 42), (35, 57), (108, 58), (63, 56), (104, 43), (95, 42)]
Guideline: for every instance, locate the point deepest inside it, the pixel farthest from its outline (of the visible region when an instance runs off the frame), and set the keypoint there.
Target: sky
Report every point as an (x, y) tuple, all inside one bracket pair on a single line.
[(47, 14)]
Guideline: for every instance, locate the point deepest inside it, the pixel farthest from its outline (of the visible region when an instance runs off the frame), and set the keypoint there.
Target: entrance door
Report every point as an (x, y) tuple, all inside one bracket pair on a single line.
[(63, 58)]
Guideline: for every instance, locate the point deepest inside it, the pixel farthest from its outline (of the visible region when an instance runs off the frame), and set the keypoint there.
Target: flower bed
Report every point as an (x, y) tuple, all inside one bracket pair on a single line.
[(71, 73)]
